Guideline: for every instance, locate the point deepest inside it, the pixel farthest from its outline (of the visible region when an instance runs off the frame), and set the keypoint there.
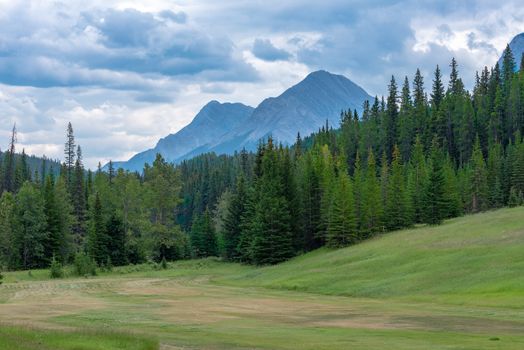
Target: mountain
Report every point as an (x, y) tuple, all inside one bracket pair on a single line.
[(213, 120), (517, 47), (225, 128), (302, 108)]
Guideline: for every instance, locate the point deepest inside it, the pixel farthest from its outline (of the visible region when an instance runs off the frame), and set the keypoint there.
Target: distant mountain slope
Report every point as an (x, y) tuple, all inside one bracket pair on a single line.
[(302, 108), (35, 163), (517, 47), (213, 120), (229, 127)]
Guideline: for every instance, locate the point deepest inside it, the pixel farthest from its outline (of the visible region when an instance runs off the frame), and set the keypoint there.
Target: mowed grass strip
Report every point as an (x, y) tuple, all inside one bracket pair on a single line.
[(26, 338)]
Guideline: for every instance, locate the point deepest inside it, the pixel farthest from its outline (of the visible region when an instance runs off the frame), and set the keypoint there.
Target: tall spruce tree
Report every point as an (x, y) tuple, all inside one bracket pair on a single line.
[(391, 118), (9, 165), (479, 185), (372, 206), (30, 227), (233, 220), (397, 205), (437, 93), (417, 180), (435, 202), (272, 235), (69, 155), (342, 225)]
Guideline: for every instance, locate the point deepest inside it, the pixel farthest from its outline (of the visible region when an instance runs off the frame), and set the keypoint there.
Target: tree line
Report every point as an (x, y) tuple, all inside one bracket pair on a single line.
[(408, 159)]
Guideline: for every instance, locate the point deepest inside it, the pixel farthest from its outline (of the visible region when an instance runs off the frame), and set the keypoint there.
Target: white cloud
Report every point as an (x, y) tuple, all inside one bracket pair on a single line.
[(129, 72)]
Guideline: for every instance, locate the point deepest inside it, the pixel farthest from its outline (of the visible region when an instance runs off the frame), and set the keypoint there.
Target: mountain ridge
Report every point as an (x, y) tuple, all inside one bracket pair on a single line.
[(304, 107)]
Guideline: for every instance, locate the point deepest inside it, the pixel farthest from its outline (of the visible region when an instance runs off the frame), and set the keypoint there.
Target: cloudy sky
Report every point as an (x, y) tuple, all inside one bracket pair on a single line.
[(126, 73)]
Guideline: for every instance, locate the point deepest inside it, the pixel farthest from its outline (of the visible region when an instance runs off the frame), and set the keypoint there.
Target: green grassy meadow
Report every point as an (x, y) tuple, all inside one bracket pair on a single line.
[(455, 286)]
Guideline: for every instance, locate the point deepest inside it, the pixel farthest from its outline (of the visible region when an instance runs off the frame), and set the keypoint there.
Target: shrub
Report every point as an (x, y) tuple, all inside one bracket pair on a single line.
[(163, 263), (1, 277), (84, 265), (56, 270)]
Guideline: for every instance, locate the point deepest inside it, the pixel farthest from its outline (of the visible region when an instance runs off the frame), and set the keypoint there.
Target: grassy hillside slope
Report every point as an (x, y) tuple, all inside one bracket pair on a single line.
[(475, 259), (456, 286)]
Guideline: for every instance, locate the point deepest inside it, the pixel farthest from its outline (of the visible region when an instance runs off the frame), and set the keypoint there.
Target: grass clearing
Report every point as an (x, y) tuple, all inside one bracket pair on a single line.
[(456, 286), (26, 338)]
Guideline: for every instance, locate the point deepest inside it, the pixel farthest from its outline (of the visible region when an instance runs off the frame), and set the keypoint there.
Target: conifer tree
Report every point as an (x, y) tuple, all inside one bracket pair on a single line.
[(203, 236), (435, 202), (372, 206), (10, 164), (479, 185), (98, 239), (495, 180), (391, 115), (8, 254), (30, 227), (22, 171), (508, 68), (452, 201), (70, 153), (327, 166), (517, 165), (417, 180), (310, 198), (77, 190), (272, 235), (419, 105), (358, 192), (406, 125), (342, 225), (437, 93), (233, 220), (397, 205), (116, 239)]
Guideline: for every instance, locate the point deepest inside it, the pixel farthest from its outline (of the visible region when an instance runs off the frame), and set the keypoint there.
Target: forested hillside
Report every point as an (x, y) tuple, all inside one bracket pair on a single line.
[(417, 156)]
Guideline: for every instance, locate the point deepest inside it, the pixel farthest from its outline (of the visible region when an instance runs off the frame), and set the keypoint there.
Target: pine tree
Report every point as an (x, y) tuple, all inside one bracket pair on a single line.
[(22, 171), (437, 93), (406, 124), (272, 235), (516, 157), (372, 206), (479, 185), (508, 68), (77, 190), (419, 104), (98, 239), (495, 176), (452, 200), (116, 239), (70, 153), (435, 203), (10, 164), (327, 180), (310, 202), (398, 208), (233, 220), (417, 180), (358, 192), (203, 236), (342, 225), (8, 254), (30, 227), (391, 115), (455, 86)]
